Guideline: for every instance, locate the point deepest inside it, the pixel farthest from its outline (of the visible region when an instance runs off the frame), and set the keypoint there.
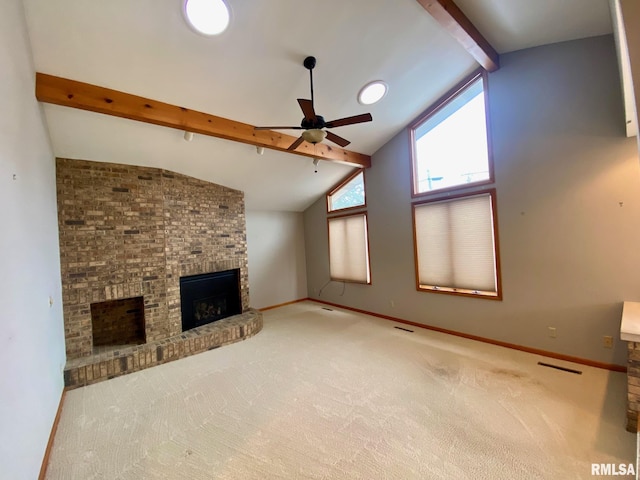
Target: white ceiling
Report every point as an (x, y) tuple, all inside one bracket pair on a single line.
[(253, 73)]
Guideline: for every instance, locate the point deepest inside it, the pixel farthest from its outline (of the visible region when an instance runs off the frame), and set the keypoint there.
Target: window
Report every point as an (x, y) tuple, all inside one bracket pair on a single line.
[(456, 245), (348, 194), (455, 236), (349, 248), (348, 233), (450, 146)]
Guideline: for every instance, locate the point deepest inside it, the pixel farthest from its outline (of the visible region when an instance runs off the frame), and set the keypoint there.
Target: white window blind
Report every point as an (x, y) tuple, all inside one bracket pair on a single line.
[(455, 244), (348, 249)]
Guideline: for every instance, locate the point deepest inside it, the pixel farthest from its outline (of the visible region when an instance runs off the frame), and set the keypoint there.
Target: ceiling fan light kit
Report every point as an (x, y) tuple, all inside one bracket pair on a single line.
[(314, 135), (314, 125)]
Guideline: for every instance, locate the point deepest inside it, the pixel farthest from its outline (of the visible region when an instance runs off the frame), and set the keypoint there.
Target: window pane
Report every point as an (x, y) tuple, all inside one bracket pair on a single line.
[(348, 249), (433, 237), (451, 144), (472, 243), (455, 244), (351, 194)]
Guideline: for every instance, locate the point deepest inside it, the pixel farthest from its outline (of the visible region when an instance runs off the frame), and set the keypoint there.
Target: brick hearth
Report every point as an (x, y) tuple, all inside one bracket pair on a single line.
[(87, 370)]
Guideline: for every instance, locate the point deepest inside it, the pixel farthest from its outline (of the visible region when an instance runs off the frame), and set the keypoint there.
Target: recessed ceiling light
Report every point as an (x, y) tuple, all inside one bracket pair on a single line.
[(209, 17), (372, 92)]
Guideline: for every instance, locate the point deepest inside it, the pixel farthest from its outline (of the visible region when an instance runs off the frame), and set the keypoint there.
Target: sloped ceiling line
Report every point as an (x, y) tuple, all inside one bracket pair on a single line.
[(84, 96)]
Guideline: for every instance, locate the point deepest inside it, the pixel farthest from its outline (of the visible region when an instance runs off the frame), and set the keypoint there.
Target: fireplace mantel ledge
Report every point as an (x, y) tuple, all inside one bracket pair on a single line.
[(630, 325)]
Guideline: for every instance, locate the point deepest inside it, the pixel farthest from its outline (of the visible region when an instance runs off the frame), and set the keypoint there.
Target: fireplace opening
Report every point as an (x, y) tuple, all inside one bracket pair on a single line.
[(118, 322), (209, 297)]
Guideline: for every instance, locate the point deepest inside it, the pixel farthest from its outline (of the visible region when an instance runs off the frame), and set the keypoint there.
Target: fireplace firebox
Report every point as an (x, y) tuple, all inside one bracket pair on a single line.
[(118, 322), (209, 297)]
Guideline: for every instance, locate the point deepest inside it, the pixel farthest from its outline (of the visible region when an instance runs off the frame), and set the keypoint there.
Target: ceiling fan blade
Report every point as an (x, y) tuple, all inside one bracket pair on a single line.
[(295, 144), (307, 108), (365, 117), (343, 142), (278, 128)]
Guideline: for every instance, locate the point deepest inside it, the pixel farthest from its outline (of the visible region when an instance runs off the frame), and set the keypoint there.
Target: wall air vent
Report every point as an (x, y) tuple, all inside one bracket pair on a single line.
[(558, 367), (405, 329)]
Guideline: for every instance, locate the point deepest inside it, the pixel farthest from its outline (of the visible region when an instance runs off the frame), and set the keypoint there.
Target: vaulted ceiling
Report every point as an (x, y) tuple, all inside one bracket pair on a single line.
[(253, 73)]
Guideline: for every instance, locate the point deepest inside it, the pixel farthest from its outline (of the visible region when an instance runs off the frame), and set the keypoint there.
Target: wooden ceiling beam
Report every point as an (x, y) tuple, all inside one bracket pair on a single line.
[(70, 93), (449, 16)]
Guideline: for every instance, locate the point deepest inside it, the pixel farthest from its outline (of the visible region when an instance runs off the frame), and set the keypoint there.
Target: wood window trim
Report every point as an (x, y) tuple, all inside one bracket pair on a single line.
[(366, 232), (341, 184), (458, 89), (496, 246)]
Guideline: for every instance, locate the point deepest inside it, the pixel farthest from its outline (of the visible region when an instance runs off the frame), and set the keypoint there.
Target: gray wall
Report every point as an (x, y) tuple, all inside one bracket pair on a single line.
[(277, 270), (563, 169), (31, 333)]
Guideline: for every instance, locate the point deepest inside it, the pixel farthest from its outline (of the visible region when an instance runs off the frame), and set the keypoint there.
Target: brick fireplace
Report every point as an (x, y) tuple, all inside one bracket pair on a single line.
[(130, 232)]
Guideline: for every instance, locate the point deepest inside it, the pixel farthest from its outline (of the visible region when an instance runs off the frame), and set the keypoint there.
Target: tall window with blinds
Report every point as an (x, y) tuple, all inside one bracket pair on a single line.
[(349, 248), (456, 245)]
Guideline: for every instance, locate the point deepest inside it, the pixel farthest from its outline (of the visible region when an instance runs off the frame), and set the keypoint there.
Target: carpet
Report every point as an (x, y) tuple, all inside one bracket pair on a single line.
[(332, 394)]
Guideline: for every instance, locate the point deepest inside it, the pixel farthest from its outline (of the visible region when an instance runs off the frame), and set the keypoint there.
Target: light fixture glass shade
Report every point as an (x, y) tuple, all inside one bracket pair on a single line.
[(372, 92), (209, 17), (315, 135)]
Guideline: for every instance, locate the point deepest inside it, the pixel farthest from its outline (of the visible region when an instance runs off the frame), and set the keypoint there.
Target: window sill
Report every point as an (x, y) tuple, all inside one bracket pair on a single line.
[(461, 292), (450, 192)]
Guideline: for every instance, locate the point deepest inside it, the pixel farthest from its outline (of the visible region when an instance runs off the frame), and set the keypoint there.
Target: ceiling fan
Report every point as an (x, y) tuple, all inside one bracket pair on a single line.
[(314, 125)]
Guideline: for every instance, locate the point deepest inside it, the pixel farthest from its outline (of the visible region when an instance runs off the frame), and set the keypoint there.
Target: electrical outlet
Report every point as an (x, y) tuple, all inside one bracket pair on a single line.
[(607, 341), (552, 332), (392, 303)]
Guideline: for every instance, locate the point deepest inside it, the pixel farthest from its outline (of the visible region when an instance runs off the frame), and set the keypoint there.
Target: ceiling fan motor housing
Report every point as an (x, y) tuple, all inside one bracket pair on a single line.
[(317, 122)]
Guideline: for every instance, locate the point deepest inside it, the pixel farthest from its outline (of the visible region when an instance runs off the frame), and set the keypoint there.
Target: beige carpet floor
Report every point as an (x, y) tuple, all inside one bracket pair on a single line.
[(322, 394)]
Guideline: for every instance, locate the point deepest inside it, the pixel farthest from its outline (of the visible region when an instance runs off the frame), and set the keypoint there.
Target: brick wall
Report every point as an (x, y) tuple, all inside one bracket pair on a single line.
[(633, 385), (130, 231)]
